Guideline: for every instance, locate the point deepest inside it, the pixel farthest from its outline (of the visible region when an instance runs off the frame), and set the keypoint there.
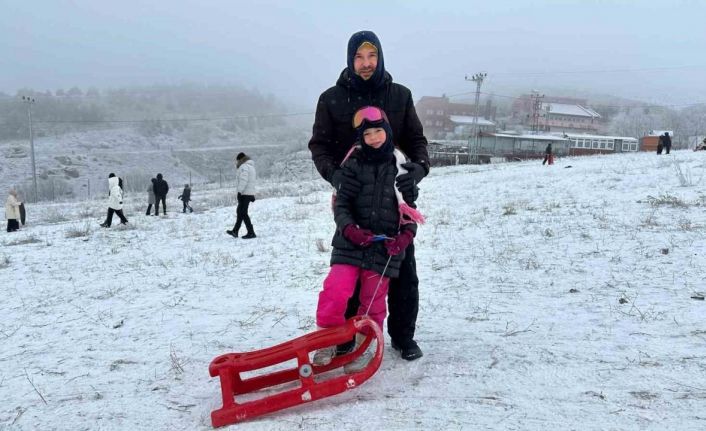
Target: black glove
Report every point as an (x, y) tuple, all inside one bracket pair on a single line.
[(337, 178), (407, 183), (410, 196), (345, 179)]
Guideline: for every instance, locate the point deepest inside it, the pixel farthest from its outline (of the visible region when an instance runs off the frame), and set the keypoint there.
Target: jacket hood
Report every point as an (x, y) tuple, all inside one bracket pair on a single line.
[(113, 182), (243, 160), (379, 154), (378, 78)]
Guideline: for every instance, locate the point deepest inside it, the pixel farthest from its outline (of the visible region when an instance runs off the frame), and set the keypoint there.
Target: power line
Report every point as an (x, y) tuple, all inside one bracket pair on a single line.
[(636, 105), (572, 72), (185, 120)]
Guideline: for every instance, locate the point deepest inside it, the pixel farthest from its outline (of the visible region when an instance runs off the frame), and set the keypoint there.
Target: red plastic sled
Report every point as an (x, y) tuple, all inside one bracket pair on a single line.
[(229, 366)]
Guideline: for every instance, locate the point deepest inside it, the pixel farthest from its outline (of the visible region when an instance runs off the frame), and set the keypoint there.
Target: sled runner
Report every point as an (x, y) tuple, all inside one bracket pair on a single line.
[(311, 385)]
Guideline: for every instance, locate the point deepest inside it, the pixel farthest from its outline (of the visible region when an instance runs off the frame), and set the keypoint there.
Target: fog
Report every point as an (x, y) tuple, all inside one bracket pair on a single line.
[(646, 50)]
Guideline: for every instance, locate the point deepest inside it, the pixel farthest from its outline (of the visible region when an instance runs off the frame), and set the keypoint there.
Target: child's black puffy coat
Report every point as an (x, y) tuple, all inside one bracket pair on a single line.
[(368, 201)]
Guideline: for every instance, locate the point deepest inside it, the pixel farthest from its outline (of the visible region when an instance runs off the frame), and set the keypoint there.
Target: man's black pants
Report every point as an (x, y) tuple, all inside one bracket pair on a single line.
[(402, 301), (164, 204)]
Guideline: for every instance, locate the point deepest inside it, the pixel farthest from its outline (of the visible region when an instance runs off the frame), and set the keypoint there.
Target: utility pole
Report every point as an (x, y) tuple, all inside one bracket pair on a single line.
[(536, 108), (473, 142), (547, 117), (30, 101)]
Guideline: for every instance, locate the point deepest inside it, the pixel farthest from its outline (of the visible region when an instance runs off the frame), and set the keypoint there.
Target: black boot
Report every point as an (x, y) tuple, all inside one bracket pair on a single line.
[(409, 350), (249, 235), (344, 348)]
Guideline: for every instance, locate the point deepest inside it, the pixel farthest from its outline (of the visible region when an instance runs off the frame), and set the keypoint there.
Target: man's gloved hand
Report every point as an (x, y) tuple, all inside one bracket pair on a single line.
[(344, 180), (337, 178), (358, 236), (399, 243), (407, 183)]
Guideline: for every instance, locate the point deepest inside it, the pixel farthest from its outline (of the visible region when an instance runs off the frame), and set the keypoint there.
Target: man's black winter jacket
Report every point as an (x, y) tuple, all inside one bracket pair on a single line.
[(333, 132), (160, 188)]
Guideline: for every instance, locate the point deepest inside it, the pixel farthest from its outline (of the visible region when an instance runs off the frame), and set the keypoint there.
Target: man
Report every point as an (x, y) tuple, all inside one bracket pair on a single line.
[(365, 82), (246, 176), (161, 188), (548, 156), (667, 142)]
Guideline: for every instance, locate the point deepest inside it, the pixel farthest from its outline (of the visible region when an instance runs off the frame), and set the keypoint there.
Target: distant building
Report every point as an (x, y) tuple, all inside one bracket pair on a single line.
[(562, 117), (650, 141), (442, 118), (584, 144), (557, 114), (513, 146)]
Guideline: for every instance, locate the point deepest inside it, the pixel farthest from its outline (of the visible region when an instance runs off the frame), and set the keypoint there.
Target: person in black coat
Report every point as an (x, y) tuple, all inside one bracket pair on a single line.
[(667, 142), (185, 197), (548, 156), (365, 82), (161, 188)]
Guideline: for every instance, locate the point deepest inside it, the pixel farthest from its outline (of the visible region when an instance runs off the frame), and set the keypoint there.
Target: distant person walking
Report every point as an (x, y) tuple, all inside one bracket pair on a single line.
[(115, 201), (150, 196), (548, 155), (185, 197), (701, 146), (161, 188), (245, 184), (12, 211), (667, 142)]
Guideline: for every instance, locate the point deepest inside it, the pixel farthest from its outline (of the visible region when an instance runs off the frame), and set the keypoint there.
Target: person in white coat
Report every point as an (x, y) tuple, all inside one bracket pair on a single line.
[(151, 200), (12, 211), (245, 184), (115, 201)]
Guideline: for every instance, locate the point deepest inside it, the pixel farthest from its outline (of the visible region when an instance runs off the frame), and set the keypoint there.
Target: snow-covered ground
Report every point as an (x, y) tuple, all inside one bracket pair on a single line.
[(551, 298)]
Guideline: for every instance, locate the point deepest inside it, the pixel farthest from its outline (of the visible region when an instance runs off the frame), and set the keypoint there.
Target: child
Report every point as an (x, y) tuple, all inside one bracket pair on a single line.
[(185, 197), (367, 205), (12, 211)]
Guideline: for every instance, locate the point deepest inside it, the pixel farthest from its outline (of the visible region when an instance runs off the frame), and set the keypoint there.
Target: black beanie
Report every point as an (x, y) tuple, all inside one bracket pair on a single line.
[(240, 156), (378, 77)]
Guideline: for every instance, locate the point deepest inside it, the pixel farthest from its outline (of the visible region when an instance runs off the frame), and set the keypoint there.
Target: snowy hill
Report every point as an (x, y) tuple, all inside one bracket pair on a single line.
[(551, 298), (76, 165)]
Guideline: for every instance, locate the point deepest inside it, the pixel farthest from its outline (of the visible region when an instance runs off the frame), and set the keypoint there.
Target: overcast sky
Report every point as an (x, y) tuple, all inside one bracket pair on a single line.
[(649, 50)]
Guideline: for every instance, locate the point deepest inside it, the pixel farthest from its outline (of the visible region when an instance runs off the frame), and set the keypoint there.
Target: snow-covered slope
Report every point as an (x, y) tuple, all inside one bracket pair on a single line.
[(76, 165), (551, 298)]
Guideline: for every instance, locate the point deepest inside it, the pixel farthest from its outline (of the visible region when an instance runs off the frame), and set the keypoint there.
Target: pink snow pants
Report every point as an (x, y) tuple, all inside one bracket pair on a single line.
[(339, 286)]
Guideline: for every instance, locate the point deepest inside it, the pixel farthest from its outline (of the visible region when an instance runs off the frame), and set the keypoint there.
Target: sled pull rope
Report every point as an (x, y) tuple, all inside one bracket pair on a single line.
[(378, 285)]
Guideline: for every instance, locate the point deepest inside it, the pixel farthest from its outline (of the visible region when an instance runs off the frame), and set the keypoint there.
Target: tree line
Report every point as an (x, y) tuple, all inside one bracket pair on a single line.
[(150, 109)]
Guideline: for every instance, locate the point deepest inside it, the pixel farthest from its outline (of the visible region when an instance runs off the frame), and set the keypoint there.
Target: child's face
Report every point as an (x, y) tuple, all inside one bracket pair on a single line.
[(374, 137)]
